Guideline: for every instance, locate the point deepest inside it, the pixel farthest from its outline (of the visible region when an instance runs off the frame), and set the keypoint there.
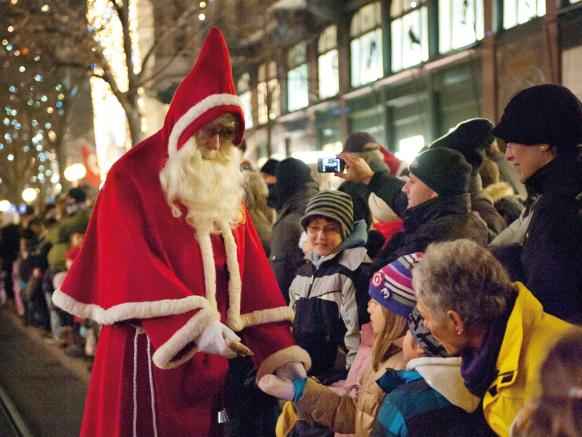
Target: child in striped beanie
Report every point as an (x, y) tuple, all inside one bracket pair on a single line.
[(329, 292)]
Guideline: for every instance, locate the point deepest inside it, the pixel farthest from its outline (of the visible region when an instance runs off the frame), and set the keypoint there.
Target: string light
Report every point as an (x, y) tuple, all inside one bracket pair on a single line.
[(202, 17)]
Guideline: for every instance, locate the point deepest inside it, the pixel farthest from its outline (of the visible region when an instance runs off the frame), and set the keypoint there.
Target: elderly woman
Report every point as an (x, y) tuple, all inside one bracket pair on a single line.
[(499, 329)]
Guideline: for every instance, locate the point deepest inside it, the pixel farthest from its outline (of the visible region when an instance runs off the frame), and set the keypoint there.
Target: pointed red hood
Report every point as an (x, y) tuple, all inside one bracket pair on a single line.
[(207, 92)]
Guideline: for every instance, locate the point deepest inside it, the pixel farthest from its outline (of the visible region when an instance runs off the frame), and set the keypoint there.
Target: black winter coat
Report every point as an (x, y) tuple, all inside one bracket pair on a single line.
[(549, 262), (443, 218)]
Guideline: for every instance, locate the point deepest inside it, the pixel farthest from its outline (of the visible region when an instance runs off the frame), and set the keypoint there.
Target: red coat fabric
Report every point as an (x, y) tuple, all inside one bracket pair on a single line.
[(140, 273)]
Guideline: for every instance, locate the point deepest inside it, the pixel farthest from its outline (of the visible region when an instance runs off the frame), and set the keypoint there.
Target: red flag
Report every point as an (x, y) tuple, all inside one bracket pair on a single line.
[(93, 176)]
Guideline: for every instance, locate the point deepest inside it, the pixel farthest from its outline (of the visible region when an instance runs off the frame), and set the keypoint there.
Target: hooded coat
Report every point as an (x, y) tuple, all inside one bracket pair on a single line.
[(155, 283), (428, 398), (290, 195)]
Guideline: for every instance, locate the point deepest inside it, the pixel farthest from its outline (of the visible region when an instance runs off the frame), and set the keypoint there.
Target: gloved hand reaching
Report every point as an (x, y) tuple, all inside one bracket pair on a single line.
[(277, 387), (291, 371), (215, 339), (287, 383)]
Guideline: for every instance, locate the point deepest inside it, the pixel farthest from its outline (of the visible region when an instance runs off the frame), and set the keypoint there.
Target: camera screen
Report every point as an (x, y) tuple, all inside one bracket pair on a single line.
[(330, 165)]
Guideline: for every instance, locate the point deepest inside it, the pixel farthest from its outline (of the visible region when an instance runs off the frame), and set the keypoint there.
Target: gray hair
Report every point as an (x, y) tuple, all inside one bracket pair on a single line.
[(464, 277)]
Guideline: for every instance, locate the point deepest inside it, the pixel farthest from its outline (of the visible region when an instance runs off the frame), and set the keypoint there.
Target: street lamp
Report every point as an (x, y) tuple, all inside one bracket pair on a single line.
[(29, 195), (75, 172), (5, 205)]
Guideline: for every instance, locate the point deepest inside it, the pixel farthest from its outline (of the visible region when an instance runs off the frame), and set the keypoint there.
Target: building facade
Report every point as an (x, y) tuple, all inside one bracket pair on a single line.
[(312, 71)]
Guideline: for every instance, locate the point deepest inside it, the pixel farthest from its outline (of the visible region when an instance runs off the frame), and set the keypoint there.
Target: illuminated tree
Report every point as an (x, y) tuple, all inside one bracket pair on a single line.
[(31, 122), (72, 35)]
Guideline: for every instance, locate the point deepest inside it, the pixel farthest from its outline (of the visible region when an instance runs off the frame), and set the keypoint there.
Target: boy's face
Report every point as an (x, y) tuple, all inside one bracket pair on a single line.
[(324, 235), (410, 348)]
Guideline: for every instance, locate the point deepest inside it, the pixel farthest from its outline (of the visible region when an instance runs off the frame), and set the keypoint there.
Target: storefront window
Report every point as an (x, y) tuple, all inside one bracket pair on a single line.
[(366, 45), (297, 78), (244, 92), (268, 93), (327, 63), (409, 30), (409, 147), (520, 11), (460, 23)]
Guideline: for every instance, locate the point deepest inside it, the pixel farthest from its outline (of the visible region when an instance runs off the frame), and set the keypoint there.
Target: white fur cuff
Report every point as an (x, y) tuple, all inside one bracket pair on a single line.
[(280, 358), (129, 310), (261, 317), (165, 354)]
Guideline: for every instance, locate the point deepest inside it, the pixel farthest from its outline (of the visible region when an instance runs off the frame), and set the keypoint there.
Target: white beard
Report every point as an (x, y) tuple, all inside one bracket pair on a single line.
[(207, 183)]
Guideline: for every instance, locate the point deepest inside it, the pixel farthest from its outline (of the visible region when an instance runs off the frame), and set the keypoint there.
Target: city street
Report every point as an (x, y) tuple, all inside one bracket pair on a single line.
[(45, 386)]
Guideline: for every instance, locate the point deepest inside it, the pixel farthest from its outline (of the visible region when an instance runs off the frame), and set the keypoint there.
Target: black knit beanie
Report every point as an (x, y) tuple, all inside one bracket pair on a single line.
[(360, 142), (292, 176), (334, 205), (542, 114), (270, 167), (444, 170), (471, 138)]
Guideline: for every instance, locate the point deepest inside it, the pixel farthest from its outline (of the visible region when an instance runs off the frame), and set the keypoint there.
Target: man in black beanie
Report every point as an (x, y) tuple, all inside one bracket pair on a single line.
[(434, 203), (542, 129), (471, 138)]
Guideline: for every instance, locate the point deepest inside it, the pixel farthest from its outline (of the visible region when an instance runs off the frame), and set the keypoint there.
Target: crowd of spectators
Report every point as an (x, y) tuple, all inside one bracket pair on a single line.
[(428, 296)]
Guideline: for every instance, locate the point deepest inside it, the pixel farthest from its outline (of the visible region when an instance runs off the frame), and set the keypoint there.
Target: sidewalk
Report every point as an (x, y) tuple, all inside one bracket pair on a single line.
[(47, 388), (78, 366)]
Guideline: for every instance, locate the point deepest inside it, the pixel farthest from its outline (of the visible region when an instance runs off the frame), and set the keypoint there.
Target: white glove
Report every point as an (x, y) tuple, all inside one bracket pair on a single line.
[(291, 371), (277, 387), (215, 338)]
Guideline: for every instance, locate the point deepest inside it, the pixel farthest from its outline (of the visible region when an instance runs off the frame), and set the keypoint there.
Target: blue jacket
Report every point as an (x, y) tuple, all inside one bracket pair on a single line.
[(412, 407)]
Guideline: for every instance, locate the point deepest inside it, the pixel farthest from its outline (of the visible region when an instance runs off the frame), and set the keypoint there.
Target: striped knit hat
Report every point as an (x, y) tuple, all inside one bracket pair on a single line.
[(430, 345), (334, 205), (391, 286)]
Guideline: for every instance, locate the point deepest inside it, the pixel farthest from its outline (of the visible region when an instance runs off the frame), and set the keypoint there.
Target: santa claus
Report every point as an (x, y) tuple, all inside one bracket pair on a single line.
[(172, 268)]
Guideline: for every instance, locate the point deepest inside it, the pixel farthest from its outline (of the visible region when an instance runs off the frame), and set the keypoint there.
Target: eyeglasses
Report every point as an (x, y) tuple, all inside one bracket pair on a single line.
[(328, 230), (227, 133)]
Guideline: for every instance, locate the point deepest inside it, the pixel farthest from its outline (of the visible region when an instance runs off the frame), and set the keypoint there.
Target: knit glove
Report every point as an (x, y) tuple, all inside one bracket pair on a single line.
[(215, 339), (283, 388)]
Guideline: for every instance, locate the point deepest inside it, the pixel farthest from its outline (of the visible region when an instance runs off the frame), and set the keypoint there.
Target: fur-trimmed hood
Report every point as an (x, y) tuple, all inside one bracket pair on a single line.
[(499, 191)]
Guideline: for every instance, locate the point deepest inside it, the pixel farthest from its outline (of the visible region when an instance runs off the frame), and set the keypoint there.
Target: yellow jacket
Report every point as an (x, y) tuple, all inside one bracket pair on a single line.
[(529, 335)]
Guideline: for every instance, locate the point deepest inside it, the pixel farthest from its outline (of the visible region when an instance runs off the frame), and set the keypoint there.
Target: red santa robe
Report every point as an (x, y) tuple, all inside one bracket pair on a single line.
[(154, 284)]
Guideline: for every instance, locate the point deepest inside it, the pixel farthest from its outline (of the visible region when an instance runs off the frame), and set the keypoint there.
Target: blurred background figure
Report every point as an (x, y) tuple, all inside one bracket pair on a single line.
[(289, 196), (506, 201), (557, 412), (255, 199), (364, 145), (471, 138)]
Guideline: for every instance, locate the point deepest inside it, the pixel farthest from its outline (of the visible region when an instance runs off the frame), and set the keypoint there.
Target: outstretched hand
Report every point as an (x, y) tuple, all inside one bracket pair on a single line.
[(357, 170), (280, 388)]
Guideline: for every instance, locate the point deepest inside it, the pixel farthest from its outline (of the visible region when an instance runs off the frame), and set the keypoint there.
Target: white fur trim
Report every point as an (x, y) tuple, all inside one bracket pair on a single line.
[(129, 310), (270, 315), (278, 359), (196, 111), (209, 268), (233, 319), (163, 356)]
